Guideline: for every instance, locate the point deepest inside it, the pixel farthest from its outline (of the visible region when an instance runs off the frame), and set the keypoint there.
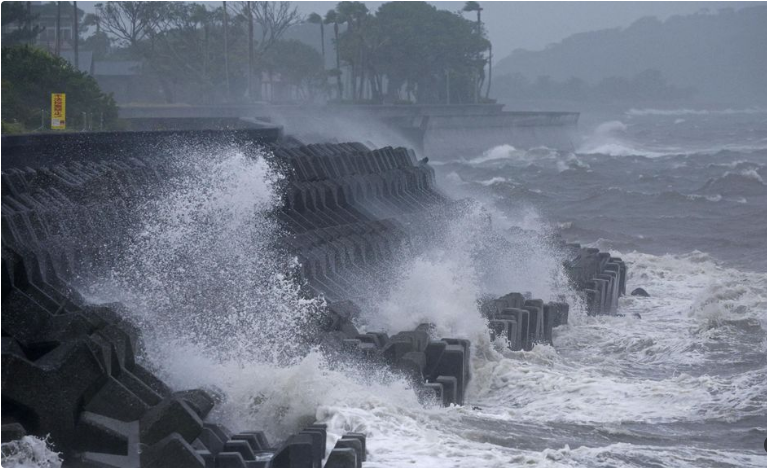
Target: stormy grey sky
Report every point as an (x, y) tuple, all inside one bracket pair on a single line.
[(533, 25)]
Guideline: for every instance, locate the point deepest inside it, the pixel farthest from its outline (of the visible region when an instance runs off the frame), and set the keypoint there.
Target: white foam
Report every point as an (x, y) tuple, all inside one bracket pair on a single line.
[(747, 173), (496, 153), (610, 138), (30, 452), (493, 181), (608, 369), (672, 112)]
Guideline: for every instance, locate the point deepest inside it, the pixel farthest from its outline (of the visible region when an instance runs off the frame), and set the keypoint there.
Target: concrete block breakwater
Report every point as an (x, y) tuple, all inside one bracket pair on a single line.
[(70, 367)]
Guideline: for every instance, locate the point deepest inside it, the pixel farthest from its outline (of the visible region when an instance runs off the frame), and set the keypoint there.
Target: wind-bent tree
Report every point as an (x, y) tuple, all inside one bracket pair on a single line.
[(314, 18), (474, 6), (97, 42)]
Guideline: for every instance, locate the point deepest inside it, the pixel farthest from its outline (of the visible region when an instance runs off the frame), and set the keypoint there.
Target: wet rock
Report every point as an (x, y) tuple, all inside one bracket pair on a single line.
[(640, 292)]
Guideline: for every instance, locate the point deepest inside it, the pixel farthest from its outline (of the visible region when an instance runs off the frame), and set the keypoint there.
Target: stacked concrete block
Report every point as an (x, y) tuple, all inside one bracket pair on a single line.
[(69, 371), (524, 322), (344, 205), (440, 368), (601, 277)]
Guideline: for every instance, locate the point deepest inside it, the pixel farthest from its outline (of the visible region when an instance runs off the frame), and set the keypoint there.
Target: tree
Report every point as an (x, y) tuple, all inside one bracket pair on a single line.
[(137, 25), (331, 17), (273, 19), (474, 6), (30, 75), (297, 64), (421, 47), (17, 24), (98, 42), (130, 22), (354, 15), (314, 18)]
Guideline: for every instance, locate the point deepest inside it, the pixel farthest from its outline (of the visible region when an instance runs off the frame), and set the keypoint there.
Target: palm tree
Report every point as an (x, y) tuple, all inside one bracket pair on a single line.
[(332, 17), (353, 14), (314, 18), (474, 6)]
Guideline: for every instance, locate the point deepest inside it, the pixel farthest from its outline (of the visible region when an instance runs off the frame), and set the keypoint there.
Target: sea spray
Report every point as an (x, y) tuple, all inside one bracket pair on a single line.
[(206, 281), (30, 452)]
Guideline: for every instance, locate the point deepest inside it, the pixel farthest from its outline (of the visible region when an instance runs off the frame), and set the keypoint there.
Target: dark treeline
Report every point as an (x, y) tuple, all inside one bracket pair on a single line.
[(411, 51), (239, 52), (649, 85)]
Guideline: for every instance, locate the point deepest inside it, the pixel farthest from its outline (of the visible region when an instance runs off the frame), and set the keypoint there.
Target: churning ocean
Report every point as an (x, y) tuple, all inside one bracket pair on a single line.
[(679, 379), (681, 195)]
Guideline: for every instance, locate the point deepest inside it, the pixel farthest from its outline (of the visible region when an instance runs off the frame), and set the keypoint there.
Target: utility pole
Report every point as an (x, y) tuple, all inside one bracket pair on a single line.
[(226, 53), (76, 37), (250, 51), (57, 49), (447, 80), (490, 72), (29, 21), (322, 37)]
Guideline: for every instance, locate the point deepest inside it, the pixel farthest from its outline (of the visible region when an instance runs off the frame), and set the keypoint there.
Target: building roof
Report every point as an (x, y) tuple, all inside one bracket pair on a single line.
[(117, 68), (84, 59)]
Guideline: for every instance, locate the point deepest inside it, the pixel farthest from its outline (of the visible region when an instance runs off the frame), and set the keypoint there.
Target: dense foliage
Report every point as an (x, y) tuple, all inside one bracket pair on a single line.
[(30, 75), (18, 14), (195, 53), (413, 47), (297, 64), (234, 51)]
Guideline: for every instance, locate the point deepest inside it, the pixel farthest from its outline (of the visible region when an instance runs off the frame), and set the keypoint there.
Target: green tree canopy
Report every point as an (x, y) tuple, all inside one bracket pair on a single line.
[(17, 23), (414, 44), (296, 63), (30, 75)]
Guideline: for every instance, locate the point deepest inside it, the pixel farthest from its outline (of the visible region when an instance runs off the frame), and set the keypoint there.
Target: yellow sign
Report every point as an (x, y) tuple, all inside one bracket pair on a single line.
[(58, 111)]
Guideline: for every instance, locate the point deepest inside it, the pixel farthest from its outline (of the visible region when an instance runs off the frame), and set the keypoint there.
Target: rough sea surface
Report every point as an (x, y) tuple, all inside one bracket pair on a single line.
[(681, 195), (678, 380)]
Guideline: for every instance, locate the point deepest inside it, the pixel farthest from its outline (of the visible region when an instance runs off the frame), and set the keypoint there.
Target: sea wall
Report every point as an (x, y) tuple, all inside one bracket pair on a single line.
[(347, 211), (436, 131)]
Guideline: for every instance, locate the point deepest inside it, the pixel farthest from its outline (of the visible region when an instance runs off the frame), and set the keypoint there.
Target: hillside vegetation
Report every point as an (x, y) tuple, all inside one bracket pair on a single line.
[(722, 56)]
